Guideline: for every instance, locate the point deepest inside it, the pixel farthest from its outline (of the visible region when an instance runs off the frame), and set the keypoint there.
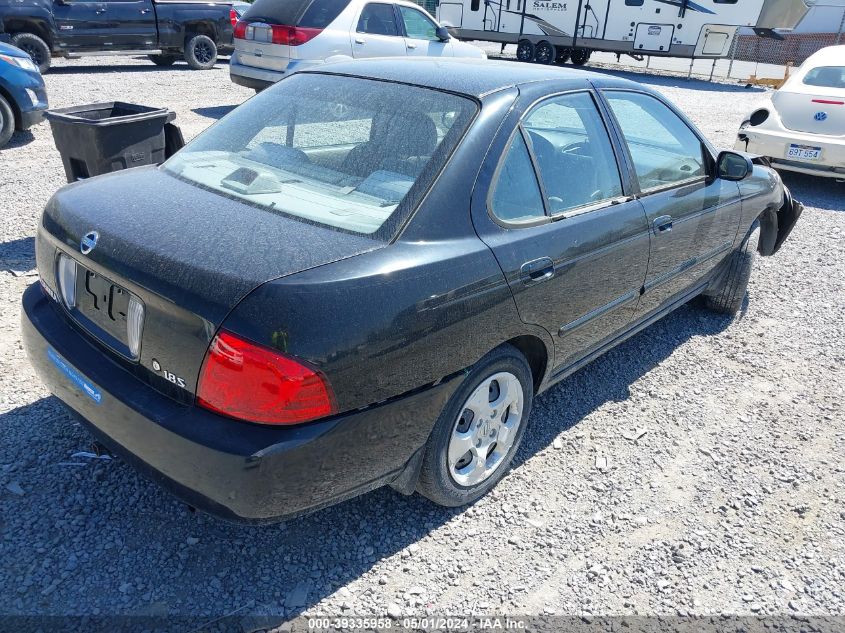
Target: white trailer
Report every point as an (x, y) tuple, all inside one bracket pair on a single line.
[(547, 31)]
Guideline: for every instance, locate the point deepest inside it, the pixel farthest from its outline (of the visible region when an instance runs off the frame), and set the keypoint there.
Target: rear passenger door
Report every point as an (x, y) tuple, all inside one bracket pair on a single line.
[(377, 32), (421, 34), (572, 243), (693, 217), (132, 24)]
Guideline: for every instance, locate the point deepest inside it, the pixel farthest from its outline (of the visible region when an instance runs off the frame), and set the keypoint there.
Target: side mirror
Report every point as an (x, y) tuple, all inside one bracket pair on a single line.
[(733, 166), (442, 33)]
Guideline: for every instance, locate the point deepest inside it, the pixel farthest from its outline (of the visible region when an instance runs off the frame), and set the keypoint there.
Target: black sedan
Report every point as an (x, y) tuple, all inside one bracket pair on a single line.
[(365, 274)]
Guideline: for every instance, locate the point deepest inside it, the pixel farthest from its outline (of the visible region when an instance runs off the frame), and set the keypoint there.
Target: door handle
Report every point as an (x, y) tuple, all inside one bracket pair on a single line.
[(412, 45), (537, 270), (99, 11), (360, 40), (663, 224), (144, 11)]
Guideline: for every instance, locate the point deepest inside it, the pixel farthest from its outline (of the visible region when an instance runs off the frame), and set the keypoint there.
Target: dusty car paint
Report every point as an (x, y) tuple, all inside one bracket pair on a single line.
[(393, 325)]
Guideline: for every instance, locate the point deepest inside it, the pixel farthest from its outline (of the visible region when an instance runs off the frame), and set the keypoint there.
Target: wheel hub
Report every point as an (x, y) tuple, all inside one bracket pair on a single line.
[(486, 429)]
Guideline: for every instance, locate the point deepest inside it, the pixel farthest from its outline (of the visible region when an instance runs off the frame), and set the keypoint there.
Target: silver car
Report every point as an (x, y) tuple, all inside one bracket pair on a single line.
[(277, 37)]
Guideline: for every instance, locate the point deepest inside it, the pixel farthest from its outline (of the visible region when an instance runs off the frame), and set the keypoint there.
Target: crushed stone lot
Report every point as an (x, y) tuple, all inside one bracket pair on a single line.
[(723, 490)]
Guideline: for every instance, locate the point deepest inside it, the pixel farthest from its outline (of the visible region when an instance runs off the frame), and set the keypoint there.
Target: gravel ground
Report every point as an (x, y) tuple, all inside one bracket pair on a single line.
[(723, 491)]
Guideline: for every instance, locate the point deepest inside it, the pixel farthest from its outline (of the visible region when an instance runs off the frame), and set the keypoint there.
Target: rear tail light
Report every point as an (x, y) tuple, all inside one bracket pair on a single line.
[(66, 274), (240, 30), (233, 16), (250, 382), (293, 35)]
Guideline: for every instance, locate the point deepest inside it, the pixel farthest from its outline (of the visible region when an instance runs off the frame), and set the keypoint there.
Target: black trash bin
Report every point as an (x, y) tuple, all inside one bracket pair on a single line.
[(100, 138)]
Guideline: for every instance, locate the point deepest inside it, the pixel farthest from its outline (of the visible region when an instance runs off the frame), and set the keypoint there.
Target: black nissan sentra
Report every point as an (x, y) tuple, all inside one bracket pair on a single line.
[(365, 274)]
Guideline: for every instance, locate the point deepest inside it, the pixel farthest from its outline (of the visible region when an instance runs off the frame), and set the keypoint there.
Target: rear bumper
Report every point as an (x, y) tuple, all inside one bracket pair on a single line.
[(775, 143), (237, 471), (260, 78)]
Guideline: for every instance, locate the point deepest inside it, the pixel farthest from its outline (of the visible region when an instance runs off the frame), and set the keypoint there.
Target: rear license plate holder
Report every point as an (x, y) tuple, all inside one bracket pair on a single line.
[(103, 303), (803, 152)]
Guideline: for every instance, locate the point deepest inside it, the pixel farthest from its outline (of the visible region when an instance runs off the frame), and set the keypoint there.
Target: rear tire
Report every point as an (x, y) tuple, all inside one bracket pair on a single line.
[(488, 413), (163, 60), (729, 296), (580, 56), (544, 53), (201, 52), (524, 51), (35, 47), (7, 122)]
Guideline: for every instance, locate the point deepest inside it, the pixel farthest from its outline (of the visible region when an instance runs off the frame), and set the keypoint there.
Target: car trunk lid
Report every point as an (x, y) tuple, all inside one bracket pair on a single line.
[(189, 255), (822, 114)]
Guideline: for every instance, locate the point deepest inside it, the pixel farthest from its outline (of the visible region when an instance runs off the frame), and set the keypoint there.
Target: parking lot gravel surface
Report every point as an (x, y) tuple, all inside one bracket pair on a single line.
[(696, 469)]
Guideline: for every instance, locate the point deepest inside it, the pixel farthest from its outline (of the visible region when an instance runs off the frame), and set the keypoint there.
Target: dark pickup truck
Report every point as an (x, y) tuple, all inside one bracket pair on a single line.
[(165, 30)]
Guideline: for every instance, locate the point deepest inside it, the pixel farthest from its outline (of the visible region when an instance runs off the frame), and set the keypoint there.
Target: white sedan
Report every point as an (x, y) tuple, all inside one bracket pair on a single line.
[(802, 126)]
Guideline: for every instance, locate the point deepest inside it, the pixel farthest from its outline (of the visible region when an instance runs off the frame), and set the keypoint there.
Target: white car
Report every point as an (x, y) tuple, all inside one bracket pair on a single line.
[(802, 127), (275, 38)]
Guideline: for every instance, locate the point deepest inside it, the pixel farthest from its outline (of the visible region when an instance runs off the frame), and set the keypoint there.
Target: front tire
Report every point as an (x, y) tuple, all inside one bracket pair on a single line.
[(7, 122), (524, 51), (729, 296), (35, 47), (479, 431), (201, 52)]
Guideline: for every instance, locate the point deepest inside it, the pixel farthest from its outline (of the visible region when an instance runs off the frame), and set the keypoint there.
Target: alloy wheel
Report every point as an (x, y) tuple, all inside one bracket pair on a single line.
[(485, 430), (203, 52)]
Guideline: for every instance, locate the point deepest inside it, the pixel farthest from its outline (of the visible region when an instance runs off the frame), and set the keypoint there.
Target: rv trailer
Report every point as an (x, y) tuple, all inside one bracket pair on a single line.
[(552, 31)]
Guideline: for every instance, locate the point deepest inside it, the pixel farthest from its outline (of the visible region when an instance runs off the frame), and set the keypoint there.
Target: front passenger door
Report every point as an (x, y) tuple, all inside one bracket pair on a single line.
[(421, 34), (693, 216), (377, 33)]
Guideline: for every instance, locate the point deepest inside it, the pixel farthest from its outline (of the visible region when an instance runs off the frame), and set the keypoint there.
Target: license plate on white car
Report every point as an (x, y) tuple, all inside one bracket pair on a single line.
[(804, 152)]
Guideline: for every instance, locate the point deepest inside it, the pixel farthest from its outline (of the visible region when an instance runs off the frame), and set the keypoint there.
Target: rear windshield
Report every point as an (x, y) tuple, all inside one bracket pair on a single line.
[(352, 154), (826, 77), (316, 14), (277, 11)]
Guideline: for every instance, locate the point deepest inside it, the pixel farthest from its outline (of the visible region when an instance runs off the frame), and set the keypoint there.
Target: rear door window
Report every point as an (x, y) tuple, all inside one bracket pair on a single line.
[(573, 152), (378, 19), (516, 195)]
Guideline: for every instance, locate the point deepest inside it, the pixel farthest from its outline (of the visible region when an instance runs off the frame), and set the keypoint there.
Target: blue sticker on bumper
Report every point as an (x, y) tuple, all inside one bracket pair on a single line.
[(76, 378)]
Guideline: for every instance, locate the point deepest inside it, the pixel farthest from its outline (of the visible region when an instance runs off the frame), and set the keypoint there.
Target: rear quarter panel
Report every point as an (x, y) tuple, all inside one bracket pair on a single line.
[(387, 322), (176, 20)]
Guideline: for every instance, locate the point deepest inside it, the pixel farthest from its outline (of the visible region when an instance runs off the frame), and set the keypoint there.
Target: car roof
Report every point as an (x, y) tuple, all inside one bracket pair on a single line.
[(474, 77), (827, 55)]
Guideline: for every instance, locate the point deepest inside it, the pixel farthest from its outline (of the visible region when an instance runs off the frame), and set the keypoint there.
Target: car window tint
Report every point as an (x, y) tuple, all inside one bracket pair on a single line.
[(321, 13), (378, 19), (573, 152), (417, 25), (275, 12), (826, 77), (339, 151), (516, 194), (664, 149)]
